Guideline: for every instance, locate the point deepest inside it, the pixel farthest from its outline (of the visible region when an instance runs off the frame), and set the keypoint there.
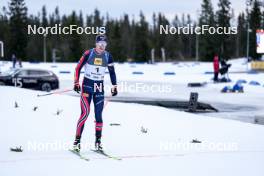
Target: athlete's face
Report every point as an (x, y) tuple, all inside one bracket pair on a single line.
[(100, 46)]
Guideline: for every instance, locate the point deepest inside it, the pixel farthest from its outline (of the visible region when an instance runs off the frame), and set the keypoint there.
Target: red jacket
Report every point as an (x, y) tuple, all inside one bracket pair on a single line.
[(216, 64)]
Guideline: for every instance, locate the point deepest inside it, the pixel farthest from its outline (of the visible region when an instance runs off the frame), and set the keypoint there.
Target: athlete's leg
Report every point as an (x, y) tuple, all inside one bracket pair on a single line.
[(98, 100), (85, 109)]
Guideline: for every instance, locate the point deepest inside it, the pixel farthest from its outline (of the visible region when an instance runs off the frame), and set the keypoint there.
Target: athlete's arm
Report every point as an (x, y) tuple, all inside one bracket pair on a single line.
[(111, 70), (79, 66)]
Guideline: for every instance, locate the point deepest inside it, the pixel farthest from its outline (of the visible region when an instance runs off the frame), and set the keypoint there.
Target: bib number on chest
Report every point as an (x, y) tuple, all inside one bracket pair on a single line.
[(95, 72)]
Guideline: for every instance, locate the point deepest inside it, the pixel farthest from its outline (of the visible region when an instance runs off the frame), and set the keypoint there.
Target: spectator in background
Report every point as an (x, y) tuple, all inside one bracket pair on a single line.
[(20, 63), (216, 68), (223, 63), (14, 60)]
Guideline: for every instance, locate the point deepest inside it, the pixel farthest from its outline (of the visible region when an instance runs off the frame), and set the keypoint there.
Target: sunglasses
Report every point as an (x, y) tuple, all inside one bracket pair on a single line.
[(102, 44)]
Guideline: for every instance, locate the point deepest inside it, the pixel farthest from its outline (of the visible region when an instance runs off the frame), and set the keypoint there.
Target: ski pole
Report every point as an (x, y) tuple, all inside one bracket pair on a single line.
[(55, 92)]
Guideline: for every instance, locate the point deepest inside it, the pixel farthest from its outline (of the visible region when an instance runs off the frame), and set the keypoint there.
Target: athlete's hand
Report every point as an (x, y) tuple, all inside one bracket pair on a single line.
[(114, 90), (77, 87)]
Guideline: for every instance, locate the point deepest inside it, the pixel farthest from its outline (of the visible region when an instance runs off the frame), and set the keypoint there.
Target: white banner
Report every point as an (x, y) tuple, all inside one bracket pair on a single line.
[(260, 41)]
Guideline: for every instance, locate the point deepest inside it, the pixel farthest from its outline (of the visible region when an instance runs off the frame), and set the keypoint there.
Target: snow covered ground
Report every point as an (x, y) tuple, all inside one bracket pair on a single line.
[(228, 147)]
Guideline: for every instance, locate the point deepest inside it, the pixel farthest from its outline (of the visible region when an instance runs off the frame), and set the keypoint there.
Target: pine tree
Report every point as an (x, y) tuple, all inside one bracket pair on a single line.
[(190, 46), (89, 39), (57, 38), (4, 30), (35, 42), (161, 40), (75, 45), (207, 42), (223, 20), (126, 39), (175, 41), (44, 20), (97, 19), (241, 37), (142, 47), (18, 28), (262, 21)]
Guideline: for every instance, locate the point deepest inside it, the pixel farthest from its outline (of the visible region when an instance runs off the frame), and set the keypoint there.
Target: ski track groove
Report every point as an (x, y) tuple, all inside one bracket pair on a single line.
[(126, 156)]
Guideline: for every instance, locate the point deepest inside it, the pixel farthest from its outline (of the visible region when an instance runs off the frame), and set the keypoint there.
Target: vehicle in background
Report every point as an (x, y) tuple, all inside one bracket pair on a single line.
[(37, 79)]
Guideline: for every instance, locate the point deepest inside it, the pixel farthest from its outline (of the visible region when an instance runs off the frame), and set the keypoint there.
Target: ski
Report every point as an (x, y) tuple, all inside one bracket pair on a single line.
[(101, 152), (79, 155)]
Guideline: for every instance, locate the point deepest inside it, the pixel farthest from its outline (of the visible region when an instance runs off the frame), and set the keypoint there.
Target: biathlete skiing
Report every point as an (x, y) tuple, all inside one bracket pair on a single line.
[(95, 62)]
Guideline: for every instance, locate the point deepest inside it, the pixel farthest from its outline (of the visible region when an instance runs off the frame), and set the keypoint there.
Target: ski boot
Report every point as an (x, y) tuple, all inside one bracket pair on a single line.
[(98, 145), (77, 144)]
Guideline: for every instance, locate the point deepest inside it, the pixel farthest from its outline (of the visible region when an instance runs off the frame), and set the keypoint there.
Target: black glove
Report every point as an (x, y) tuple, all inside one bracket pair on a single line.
[(114, 91), (77, 87)]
